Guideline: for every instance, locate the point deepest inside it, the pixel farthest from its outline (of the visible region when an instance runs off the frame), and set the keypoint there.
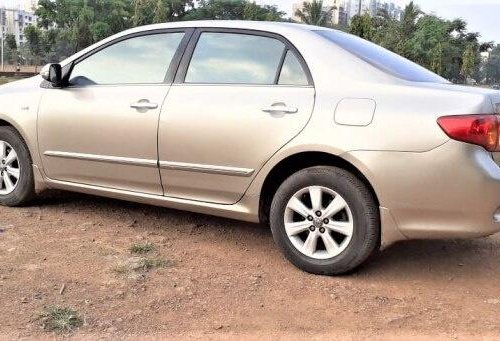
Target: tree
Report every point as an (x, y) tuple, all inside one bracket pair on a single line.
[(313, 13), (362, 26), (158, 11), (87, 20), (10, 41), (11, 53), (409, 19), (233, 10), (468, 62), (253, 11), (34, 41), (444, 46), (437, 59), (490, 70)]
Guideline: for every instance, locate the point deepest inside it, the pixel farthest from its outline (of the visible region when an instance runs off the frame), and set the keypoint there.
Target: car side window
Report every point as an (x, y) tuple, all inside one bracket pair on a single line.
[(235, 58), (292, 72), (137, 60)]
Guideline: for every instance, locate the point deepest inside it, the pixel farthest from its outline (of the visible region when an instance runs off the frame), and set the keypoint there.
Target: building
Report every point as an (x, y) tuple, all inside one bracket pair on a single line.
[(373, 8), (29, 5), (14, 21), (358, 7)]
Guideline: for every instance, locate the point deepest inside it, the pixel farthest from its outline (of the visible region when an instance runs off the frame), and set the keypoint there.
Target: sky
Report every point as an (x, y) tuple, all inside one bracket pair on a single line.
[(482, 15)]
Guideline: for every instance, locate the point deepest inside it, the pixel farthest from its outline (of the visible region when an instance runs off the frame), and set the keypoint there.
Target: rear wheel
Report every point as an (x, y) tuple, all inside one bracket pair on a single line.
[(325, 220), (16, 173)]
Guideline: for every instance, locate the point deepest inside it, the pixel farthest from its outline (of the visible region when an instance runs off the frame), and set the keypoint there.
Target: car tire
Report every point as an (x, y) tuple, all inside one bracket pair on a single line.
[(20, 190), (355, 229)]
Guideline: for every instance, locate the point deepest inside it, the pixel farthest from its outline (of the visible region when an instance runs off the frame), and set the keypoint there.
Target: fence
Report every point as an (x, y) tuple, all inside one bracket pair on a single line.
[(23, 71)]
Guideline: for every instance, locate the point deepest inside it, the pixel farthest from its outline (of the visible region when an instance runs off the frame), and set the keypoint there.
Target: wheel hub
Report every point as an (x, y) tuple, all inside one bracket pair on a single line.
[(319, 222)]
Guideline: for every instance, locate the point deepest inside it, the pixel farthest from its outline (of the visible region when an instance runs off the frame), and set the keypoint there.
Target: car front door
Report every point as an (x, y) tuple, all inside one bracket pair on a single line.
[(102, 129), (238, 97)]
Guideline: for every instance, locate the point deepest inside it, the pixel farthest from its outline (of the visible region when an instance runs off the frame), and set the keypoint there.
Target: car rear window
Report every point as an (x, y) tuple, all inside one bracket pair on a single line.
[(381, 58)]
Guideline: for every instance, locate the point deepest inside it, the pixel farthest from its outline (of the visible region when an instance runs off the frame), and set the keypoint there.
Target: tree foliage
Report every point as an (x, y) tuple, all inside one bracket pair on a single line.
[(491, 66), (443, 46), (234, 10), (314, 13), (71, 25)]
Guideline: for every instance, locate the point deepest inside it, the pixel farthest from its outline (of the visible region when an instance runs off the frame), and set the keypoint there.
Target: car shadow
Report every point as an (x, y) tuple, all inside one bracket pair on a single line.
[(448, 259), (405, 260)]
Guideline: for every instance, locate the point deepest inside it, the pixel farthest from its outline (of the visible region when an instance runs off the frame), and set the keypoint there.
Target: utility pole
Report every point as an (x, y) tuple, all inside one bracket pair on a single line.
[(359, 8), (1, 29)]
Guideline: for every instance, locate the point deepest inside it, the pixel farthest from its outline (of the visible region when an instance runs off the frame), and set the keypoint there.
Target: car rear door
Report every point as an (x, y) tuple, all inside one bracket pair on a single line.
[(238, 97)]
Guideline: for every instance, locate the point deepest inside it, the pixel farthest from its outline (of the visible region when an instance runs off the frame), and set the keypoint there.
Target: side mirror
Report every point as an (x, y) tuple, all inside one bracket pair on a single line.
[(52, 73)]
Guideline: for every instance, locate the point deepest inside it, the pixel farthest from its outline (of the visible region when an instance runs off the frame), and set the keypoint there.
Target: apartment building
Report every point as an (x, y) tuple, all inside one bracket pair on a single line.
[(14, 21)]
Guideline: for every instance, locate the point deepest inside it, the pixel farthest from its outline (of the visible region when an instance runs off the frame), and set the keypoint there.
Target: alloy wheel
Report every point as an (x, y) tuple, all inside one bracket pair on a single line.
[(10, 169), (319, 222)]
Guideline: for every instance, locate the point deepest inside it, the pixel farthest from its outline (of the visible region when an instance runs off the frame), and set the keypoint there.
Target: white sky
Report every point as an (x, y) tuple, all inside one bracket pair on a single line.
[(482, 15)]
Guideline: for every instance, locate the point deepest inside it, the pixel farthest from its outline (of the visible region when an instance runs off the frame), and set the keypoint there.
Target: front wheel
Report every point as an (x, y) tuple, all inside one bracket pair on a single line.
[(16, 172), (325, 220)]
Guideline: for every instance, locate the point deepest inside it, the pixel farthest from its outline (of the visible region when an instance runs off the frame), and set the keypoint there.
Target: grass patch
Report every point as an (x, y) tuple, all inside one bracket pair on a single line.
[(121, 269), (153, 263), (141, 249), (139, 264), (61, 320), (5, 80)]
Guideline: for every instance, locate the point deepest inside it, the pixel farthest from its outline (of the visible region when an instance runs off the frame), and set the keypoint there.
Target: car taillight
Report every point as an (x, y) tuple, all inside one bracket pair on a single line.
[(482, 130)]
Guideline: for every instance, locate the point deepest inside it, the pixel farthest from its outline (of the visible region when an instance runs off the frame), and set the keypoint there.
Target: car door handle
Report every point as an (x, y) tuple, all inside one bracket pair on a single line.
[(144, 104), (280, 108)]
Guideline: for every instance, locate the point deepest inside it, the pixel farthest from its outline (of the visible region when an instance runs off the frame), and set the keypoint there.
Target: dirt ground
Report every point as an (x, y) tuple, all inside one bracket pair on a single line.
[(220, 278)]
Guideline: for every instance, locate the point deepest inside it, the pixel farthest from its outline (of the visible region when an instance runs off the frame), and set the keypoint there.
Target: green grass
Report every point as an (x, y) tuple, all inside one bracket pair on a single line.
[(60, 320), (137, 265), (4, 80), (141, 249), (153, 263)]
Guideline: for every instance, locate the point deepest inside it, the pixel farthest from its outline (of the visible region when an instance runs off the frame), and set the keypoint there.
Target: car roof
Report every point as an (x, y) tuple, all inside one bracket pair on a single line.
[(238, 24)]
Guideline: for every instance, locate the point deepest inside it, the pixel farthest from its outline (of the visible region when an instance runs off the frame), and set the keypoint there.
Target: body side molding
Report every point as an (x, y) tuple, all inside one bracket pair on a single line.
[(192, 167), (103, 158)]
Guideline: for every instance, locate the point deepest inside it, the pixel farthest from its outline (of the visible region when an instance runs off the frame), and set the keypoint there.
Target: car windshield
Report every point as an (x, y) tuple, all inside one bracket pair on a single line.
[(381, 58)]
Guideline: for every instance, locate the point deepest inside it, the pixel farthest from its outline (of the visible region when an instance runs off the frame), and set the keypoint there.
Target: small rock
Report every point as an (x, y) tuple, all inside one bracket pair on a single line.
[(492, 301), (24, 300)]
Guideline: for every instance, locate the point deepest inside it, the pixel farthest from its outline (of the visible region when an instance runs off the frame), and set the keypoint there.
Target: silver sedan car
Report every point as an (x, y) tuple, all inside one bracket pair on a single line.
[(341, 146)]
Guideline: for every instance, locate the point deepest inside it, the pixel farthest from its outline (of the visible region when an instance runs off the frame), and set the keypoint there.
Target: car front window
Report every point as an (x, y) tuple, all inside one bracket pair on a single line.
[(137, 60)]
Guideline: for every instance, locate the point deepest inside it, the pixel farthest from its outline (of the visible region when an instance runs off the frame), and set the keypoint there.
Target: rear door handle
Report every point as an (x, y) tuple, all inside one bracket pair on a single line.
[(144, 104), (280, 108)]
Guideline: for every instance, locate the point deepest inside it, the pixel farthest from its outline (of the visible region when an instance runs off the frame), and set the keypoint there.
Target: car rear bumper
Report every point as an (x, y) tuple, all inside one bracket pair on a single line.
[(452, 191)]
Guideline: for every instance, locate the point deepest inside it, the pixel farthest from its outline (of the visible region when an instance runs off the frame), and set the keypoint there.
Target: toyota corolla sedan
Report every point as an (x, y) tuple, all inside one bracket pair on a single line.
[(341, 146)]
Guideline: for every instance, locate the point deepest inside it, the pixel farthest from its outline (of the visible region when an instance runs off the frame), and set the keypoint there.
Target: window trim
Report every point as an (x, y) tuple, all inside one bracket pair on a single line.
[(180, 77), (169, 73)]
